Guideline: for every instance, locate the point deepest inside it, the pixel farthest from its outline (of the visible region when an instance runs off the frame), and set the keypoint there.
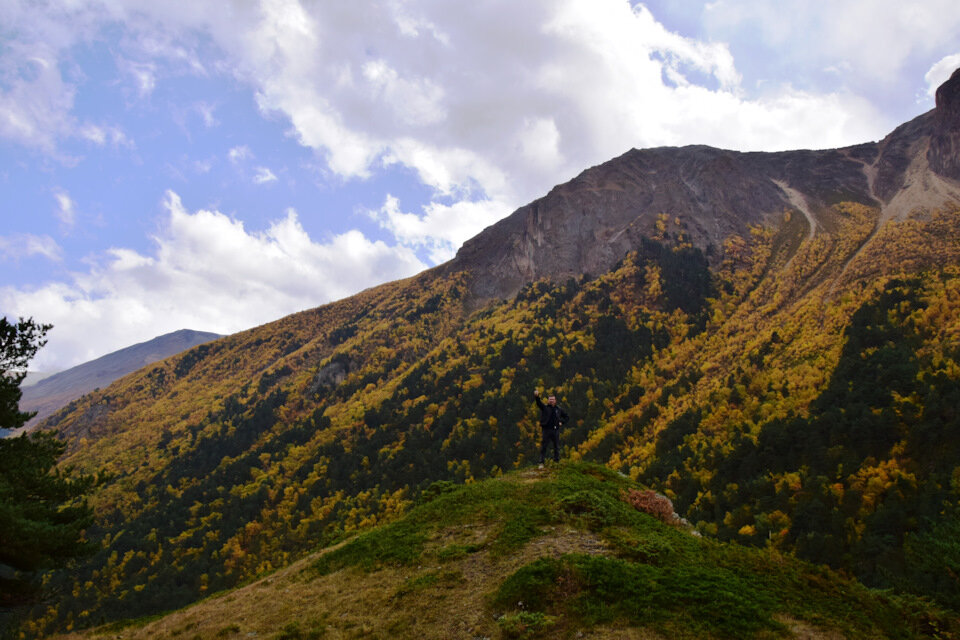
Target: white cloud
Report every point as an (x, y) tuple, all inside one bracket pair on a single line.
[(415, 102), (143, 75), (239, 154), (207, 272), (35, 102), (263, 175), (21, 245), (871, 39), (170, 44), (539, 142), (101, 135), (206, 112), (451, 171), (441, 228), (203, 166), (94, 134), (941, 72), (66, 210), (36, 99), (486, 108), (522, 97)]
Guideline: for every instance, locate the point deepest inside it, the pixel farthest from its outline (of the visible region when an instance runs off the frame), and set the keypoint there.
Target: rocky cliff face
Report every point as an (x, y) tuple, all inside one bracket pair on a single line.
[(944, 154), (707, 194)]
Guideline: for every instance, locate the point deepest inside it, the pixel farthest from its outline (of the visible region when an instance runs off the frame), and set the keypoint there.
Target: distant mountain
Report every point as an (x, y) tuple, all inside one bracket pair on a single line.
[(33, 377), (772, 340), (57, 390)]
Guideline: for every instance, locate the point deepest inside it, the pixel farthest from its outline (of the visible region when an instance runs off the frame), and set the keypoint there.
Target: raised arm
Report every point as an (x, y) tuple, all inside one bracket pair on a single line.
[(536, 398)]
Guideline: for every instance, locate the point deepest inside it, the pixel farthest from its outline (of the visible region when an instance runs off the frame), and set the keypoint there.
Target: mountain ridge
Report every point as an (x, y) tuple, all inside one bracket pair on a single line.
[(53, 392)]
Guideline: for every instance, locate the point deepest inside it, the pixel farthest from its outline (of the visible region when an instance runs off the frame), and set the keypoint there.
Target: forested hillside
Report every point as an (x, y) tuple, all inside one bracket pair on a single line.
[(772, 340), (572, 551), (801, 394)]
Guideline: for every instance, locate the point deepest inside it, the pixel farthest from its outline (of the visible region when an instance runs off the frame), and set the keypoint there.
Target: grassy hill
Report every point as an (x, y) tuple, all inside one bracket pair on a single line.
[(557, 553), (790, 391)]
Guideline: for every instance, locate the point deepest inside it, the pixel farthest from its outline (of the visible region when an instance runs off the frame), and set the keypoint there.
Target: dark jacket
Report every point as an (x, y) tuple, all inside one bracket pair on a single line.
[(551, 417)]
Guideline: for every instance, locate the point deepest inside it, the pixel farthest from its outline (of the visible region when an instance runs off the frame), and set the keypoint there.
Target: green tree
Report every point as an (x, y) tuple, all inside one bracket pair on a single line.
[(18, 344), (42, 508), (42, 511)]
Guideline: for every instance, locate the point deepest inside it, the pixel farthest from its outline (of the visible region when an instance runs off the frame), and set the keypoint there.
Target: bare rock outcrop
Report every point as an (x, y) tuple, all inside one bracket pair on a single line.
[(944, 153)]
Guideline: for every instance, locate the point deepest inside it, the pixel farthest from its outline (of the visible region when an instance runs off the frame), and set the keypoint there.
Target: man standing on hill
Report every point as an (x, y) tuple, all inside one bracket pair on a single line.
[(552, 417)]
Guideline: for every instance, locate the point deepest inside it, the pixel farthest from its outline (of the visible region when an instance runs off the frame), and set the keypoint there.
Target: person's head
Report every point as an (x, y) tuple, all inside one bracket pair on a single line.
[(552, 400)]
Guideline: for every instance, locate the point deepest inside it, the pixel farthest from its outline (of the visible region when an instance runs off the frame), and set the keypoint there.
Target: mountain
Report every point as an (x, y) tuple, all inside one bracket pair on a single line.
[(537, 554), (770, 340), (54, 391), (33, 377), (708, 195)]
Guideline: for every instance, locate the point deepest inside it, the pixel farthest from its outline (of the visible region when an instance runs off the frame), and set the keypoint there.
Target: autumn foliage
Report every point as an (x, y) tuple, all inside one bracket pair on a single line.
[(655, 504), (781, 390)]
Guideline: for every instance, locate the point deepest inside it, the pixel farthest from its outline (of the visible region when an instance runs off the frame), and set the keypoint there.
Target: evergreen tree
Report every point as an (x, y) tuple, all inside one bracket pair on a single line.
[(18, 344), (42, 511)]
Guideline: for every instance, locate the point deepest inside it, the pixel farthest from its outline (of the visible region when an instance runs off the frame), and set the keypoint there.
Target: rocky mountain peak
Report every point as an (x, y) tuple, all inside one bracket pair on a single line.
[(948, 97), (944, 153), (704, 195)]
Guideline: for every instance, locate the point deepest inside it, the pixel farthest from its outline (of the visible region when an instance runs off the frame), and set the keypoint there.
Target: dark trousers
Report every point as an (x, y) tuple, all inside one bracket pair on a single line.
[(550, 435)]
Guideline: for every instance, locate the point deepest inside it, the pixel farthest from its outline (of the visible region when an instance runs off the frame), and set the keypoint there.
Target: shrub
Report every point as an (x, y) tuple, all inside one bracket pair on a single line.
[(657, 505), (525, 624)]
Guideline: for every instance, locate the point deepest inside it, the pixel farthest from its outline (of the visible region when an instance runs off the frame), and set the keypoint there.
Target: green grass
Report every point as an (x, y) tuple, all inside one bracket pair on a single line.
[(680, 600), (456, 551), (521, 524), (395, 543), (132, 623), (659, 576), (525, 625), (428, 580), (517, 512)]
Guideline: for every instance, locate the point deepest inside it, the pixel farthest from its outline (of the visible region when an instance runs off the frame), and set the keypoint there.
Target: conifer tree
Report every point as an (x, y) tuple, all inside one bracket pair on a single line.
[(42, 510), (18, 344)]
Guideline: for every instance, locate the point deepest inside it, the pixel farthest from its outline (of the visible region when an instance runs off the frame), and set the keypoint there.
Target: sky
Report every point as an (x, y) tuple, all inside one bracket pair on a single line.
[(218, 165)]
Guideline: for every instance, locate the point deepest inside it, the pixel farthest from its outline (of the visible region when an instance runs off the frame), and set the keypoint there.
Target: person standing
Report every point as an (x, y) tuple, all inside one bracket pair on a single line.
[(552, 417)]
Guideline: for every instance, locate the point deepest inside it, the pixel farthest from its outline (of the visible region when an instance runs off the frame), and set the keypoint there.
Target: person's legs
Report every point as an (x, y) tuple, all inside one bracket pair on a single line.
[(555, 436), (544, 441)]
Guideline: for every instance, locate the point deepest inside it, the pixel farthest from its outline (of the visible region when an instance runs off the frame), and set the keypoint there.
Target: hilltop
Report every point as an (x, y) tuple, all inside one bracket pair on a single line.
[(571, 551), (789, 377)]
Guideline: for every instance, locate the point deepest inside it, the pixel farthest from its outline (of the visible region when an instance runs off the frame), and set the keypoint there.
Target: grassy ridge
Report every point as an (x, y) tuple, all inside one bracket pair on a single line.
[(551, 553)]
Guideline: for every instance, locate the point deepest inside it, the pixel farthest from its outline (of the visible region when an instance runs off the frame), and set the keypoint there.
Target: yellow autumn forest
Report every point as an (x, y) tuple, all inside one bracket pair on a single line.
[(796, 391)]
